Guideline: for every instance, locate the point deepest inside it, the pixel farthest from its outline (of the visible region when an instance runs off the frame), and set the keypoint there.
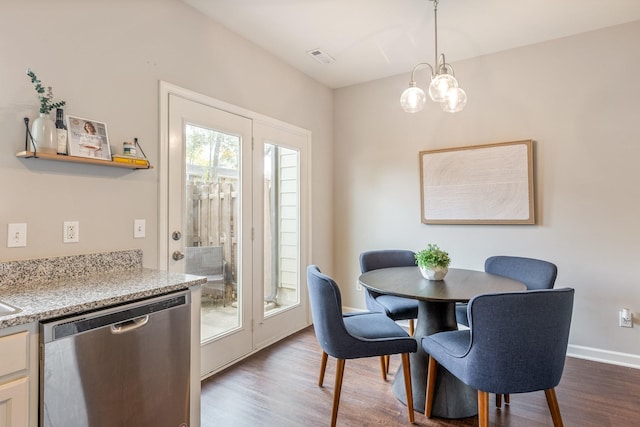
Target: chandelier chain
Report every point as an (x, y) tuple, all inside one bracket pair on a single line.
[(435, 21)]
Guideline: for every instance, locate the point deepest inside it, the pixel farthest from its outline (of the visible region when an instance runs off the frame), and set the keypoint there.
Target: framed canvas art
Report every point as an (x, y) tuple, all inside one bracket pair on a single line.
[(483, 184)]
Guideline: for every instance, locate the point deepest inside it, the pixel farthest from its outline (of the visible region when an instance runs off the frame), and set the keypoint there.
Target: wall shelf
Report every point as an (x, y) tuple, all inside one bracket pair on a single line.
[(75, 159)]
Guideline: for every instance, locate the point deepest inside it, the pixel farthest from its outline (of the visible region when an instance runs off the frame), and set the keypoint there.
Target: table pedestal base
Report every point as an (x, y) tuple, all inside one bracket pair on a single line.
[(453, 398)]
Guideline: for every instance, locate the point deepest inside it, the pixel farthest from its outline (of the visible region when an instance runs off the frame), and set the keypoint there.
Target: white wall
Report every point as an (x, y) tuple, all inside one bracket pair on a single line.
[(105, 59), (578, 98)]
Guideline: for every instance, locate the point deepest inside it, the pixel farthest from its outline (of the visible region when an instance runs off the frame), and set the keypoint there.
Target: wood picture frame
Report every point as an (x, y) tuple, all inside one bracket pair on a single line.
[(88, 138), (482, 184)]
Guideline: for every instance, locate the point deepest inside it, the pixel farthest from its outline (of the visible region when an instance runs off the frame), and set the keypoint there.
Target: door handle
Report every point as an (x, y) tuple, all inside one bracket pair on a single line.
[(129, 325), (177, 255)]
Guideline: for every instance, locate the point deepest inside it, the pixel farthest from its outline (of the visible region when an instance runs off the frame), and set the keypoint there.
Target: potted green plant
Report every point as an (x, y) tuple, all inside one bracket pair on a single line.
[(433, 262), (43, 129)]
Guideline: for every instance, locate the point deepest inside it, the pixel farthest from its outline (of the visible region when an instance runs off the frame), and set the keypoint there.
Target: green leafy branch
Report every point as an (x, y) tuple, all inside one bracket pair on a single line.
[(45, 95)]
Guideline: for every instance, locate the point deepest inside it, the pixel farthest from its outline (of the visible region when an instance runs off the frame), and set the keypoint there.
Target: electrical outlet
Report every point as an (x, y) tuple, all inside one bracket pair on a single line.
[(17, 235), (71, 232), (626, 318), (138, 228), (358, 286)]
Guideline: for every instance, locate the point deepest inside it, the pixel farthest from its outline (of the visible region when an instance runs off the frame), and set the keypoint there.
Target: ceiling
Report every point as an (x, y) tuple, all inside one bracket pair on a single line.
[(372, 39)]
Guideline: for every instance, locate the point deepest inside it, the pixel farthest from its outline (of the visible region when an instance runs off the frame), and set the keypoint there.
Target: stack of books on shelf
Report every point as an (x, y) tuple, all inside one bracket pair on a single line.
[(131, 160)]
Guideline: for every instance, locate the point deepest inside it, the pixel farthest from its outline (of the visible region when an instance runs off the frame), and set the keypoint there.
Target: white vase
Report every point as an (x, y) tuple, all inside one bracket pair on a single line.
[(435, 273), (43, 131)]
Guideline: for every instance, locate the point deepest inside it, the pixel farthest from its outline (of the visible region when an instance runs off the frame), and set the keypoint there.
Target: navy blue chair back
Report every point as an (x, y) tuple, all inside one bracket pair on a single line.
[(385, 258), (518, 340), (534, 273), (373, 260), (326, 311)]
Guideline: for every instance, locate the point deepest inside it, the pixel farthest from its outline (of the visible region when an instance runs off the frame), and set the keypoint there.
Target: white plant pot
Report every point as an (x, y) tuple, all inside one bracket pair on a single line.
[(436, 273), (44, 134)]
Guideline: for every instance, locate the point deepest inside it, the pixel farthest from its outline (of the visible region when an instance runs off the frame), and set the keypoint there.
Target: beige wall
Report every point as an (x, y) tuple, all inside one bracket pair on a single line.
[(105, 59), (578, 98)]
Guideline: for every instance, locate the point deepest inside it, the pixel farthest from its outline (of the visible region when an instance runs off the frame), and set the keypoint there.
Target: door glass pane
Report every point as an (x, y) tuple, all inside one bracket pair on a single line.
[(281, 228), (211, 219)]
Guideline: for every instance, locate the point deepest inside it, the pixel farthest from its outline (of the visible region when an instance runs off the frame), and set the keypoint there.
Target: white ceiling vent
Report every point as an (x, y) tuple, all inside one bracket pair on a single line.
[(320, 56)]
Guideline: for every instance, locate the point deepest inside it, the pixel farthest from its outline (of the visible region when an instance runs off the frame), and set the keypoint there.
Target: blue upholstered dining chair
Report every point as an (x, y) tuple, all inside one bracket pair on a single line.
[(353, 336), (397, 308), (517, 343), (534, 273)]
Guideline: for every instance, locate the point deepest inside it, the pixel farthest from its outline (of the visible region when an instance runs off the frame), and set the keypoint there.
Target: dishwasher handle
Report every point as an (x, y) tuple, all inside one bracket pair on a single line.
[(129, 325)]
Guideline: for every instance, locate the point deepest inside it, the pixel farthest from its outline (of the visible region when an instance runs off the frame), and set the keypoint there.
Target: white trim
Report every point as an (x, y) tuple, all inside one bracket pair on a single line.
[(169, 88), (169, 94), (604, 356), (163, 172), (346, 309)]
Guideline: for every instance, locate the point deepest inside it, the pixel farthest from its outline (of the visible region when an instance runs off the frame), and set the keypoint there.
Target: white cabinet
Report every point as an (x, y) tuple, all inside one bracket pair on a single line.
[(14, 349), (18, 377), (14, 403)]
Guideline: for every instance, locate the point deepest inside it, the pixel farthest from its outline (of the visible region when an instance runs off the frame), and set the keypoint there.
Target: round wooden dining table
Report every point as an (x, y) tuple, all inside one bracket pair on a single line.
[(436, 313)]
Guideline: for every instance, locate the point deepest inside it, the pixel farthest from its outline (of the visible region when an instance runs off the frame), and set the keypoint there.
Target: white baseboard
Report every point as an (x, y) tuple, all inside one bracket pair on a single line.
[(604, 356), (346, 309)]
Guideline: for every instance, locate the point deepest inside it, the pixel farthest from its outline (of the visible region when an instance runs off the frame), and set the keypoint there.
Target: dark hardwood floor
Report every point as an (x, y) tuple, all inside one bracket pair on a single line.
[(278, 387)]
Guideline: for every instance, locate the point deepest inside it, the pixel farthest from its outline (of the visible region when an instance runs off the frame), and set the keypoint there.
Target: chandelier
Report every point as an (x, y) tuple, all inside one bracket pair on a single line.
[(443, 87)]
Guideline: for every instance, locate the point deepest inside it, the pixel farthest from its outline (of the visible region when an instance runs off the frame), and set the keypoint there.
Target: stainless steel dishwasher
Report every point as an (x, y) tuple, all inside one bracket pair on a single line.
[(123, 366)]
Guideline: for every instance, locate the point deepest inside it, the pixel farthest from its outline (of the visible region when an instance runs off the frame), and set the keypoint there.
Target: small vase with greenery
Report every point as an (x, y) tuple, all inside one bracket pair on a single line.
[(43, 129), (433, 262)]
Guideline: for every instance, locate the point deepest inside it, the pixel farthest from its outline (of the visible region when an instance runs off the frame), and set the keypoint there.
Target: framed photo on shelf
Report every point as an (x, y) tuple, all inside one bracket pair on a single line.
[(88, 138)]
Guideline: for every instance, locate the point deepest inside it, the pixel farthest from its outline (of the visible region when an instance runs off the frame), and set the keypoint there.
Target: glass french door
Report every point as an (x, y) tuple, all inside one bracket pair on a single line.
[(237, 202), (210, 223), (280, 244)]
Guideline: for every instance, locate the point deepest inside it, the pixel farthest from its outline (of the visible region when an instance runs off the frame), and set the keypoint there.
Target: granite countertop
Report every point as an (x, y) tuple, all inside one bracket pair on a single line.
[(55, 295)]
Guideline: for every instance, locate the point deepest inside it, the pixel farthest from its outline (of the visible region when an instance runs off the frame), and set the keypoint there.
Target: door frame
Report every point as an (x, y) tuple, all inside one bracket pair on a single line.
[(165, 89)]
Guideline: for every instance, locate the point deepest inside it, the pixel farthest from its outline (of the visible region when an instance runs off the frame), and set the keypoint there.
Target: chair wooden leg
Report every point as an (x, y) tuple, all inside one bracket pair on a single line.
[(387, 358), (323, 367), (499, 400), (406, 369), (483, 408), (554, 408), (432, 373), (383, 367), (336, 391)]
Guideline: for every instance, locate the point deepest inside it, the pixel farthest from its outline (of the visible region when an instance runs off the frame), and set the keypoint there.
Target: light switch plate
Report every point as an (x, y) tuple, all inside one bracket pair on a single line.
[(626, 318), (17, 235), (139, 228)]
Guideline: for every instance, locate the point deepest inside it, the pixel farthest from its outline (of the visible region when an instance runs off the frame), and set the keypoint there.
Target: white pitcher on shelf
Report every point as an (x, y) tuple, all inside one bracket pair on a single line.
[(43, 131)]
